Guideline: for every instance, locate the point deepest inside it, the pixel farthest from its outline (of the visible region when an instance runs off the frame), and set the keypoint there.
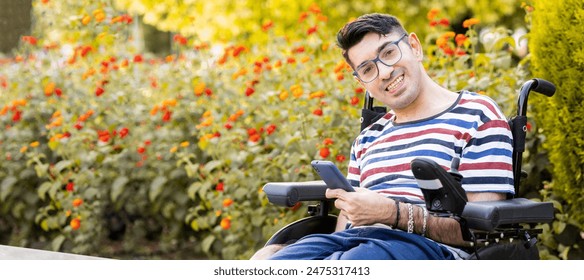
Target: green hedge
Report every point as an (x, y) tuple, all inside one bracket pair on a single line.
[(558, 56)]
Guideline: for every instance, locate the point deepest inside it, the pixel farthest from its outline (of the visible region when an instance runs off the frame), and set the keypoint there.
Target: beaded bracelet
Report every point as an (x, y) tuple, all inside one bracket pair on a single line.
[(396, 215), (410, 218)]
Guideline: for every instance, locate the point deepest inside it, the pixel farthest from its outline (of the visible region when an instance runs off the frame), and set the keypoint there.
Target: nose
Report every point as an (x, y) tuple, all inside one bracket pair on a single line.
[(384, 70)]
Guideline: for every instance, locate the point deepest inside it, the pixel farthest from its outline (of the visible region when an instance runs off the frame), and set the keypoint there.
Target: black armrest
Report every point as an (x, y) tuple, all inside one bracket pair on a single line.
[(488, 215), (481, 215), (289, 193)]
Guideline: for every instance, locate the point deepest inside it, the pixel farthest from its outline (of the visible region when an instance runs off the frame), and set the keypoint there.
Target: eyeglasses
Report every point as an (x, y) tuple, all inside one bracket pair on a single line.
[(389, 55)]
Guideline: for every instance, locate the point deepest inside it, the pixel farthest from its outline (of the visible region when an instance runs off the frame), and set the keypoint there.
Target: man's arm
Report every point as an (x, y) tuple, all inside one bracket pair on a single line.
[(365, 207)]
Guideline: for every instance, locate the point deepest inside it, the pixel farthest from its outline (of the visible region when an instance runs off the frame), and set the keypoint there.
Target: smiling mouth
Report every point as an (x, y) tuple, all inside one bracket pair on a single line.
[(395, 84)]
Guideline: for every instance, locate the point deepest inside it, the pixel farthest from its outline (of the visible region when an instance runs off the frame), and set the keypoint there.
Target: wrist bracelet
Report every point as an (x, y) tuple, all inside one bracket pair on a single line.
[(410, 218), (396, 215), (425, 222)]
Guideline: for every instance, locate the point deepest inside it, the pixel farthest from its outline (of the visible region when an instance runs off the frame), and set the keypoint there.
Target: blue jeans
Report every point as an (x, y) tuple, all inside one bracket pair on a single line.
[(365, 243)]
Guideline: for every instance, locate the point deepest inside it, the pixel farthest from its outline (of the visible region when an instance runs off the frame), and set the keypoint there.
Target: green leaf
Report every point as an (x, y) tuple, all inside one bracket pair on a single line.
[(41, 170), (156, 187), (55, 187), (6, 187), (210, 166), (118, 187), (43, 189), (61, 165), (57, 242), (45, 225), (207, 243)]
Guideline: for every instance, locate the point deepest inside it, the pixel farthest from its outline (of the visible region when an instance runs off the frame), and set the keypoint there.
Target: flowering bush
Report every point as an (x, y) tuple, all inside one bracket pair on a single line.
[(103, 143)]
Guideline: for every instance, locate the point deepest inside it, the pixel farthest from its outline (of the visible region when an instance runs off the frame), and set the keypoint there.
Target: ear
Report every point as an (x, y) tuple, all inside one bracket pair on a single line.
[(416, 46)]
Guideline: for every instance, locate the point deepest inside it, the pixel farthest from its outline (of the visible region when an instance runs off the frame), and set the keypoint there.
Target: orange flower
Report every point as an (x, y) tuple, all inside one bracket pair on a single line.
[(185, 144), (77, 202), (470, 22), (226, 223), (432, 13), (267, 25), (227, 202), (75, 224), (86, 20), (317, 94), (200, 88), (99, 15), (324, 152), (314, 8)]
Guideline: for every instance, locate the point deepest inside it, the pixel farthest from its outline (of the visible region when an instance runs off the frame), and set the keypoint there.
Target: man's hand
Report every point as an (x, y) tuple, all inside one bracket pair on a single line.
[(363, 207)]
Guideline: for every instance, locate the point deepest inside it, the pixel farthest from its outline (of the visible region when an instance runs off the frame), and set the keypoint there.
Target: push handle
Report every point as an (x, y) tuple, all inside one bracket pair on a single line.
[(544, 87)]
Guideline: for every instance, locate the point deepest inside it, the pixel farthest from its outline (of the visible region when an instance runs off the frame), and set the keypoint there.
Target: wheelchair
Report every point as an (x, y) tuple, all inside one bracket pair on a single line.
[(497, 230)]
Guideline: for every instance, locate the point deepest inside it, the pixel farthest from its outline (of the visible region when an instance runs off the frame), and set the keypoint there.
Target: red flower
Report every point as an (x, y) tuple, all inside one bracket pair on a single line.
[(252, 131), (182, 40), (324, 152), (70, 187), (228, 126), (103, 135), (78, 126), (328, 141), (317, 112), (311, 30), (58, 92), (16, 115), (271, 128), (138, 58), (124, 132), (255, 138), (99, 91), (444, 22), (220, 187), (141, 150), (249, 91), (355, 100), (341, 158), (167, 115), (30, 39)]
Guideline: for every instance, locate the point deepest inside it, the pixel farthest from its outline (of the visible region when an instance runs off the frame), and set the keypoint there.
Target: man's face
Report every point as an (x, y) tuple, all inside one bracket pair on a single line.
[(397, 86)]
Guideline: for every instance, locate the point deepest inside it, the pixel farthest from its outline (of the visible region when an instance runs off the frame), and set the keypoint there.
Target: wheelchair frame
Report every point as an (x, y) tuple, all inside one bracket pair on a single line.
[(498, 229)]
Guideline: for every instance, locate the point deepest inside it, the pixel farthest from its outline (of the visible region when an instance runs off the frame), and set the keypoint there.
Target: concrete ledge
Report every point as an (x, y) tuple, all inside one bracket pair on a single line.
[(17, 253)]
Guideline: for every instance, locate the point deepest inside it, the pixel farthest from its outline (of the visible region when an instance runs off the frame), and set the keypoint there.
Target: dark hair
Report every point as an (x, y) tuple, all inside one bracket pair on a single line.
[(353, 32)]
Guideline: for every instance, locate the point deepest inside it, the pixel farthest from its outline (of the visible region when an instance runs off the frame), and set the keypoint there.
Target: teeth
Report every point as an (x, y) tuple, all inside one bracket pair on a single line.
[(395, 83)]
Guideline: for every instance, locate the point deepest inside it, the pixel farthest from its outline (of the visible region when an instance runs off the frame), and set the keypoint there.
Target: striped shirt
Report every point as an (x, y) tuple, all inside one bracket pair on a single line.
[(473, 129)]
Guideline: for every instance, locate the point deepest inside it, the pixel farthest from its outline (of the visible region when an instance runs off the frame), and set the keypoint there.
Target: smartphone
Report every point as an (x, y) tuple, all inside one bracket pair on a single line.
[(331, 175)]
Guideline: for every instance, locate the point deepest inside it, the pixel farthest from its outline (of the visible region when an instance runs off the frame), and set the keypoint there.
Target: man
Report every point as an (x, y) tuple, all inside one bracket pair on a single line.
[(385, 218)]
